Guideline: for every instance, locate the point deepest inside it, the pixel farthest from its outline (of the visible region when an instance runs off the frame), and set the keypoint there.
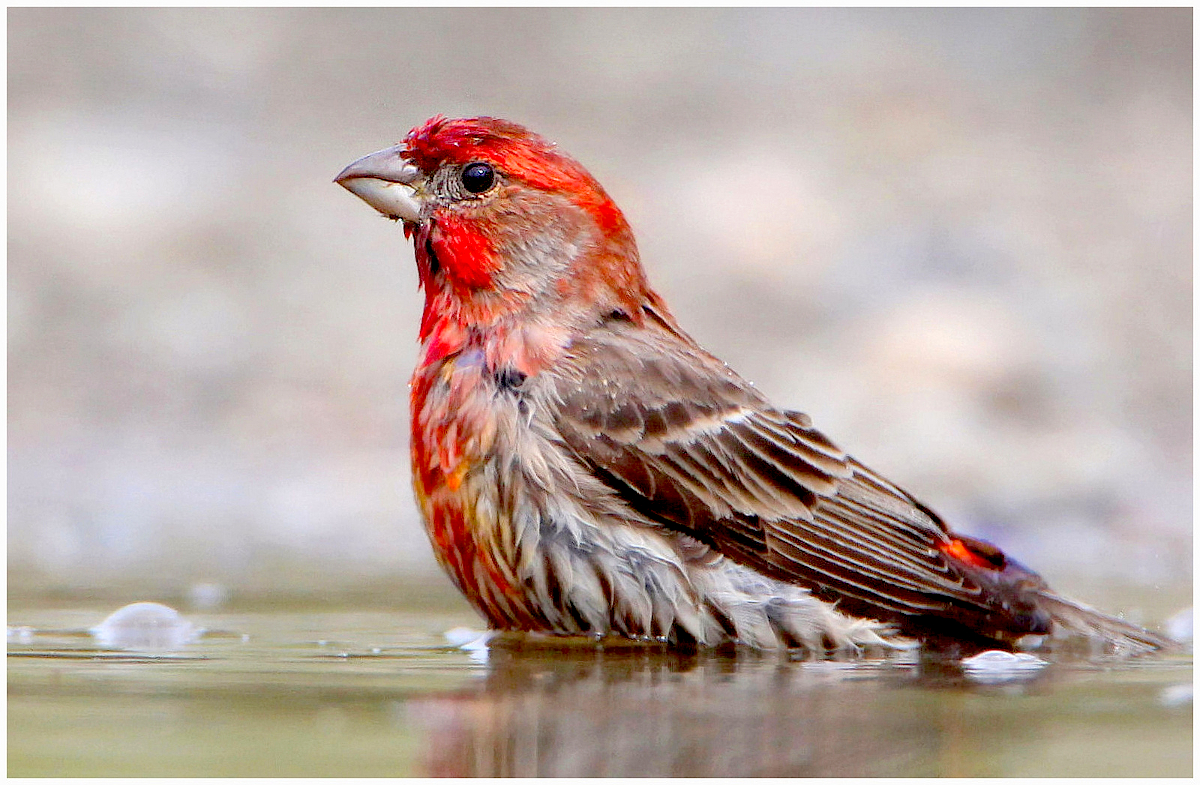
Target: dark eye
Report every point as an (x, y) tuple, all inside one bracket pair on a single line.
[(478, 177)]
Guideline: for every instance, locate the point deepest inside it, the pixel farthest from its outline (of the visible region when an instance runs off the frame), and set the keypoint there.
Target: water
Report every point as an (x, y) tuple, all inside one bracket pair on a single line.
[(285, 692)]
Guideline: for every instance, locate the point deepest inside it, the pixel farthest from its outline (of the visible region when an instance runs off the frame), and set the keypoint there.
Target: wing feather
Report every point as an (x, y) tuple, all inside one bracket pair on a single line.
[(691, 446)]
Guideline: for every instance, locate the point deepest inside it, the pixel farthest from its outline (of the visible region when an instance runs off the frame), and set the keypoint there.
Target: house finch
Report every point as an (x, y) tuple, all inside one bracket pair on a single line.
[(583, 466)]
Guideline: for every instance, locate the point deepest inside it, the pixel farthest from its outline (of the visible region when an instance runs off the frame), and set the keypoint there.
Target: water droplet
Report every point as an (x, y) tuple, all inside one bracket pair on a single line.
[(145, 626), (991, 667)]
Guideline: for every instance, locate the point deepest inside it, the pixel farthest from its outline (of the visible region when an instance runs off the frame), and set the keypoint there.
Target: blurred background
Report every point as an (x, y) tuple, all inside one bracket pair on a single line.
[(960, 239)]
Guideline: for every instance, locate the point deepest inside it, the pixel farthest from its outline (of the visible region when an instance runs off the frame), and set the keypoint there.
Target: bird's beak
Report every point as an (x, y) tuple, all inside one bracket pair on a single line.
[(387, 182)]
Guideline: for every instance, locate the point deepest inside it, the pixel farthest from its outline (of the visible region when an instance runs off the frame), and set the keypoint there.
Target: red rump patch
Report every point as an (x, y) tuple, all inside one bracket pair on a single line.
[(974, 552)]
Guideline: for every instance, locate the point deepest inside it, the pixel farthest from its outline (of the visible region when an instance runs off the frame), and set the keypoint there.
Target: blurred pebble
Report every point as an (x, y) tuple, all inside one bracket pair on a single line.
[(1179, 626), (994, 666), (20, 634), (1176, 695), (207, 595), (145, 626)]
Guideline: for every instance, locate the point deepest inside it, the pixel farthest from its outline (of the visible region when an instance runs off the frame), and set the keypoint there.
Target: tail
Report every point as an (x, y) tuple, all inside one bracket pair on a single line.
[(1033, 609), (1103, 634)]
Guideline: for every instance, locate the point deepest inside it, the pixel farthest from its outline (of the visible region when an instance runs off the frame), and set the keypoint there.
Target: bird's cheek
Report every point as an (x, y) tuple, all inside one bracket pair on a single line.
[(466, 254)]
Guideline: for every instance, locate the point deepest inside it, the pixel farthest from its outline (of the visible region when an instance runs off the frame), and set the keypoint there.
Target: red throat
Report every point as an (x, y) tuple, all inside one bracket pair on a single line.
[(456, 269), (464, 251)]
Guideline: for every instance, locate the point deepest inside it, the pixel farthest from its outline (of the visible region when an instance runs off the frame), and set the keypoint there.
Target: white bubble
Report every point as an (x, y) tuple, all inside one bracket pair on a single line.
[(998, 666), (145, 626)]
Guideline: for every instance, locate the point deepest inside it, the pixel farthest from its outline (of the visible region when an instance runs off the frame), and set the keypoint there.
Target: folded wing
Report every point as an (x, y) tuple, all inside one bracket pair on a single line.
[(692, 447)]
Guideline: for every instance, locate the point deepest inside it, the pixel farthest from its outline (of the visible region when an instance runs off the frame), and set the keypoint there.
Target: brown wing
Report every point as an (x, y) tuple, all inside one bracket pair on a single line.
[(691, 446)]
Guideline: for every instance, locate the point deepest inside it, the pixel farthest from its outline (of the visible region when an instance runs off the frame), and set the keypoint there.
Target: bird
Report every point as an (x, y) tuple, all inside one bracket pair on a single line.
[(584, 467)]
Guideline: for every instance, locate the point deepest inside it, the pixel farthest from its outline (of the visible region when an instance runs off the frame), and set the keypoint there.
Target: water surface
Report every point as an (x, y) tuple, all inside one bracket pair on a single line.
[(273, 692)]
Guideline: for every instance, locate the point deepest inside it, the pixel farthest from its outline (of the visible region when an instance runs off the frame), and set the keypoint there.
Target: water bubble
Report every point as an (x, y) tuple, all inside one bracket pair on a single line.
[(145, 626), (992, 667)]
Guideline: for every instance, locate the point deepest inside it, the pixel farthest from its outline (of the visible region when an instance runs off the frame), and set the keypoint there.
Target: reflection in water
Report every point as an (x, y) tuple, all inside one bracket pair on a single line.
[(583, 713), (336, 694)]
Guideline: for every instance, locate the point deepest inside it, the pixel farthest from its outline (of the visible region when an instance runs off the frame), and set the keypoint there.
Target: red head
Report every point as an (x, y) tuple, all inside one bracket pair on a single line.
[(507, 228), (514, 151)]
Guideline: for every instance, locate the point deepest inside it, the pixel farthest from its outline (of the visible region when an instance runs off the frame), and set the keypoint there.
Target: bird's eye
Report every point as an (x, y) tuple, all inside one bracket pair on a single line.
[(478, 177)]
